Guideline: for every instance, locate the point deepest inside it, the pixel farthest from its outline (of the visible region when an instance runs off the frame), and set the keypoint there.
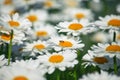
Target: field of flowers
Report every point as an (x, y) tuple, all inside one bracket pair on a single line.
[(59, 39)]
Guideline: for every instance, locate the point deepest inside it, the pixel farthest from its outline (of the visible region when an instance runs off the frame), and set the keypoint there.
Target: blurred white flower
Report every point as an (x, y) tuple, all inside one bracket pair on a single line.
[(20, 73), (3, 61), (100, 76), (36, 47), (103, 62)]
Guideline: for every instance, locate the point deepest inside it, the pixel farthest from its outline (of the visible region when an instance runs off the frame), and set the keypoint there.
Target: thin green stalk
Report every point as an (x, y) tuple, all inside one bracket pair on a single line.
[(114, 58), (58, 75), (75, 73), (10, 47), (115, 64), (114, 36)]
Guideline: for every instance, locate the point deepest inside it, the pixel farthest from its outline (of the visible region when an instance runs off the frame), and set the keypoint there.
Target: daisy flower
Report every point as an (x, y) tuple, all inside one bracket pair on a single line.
[(36, 16), (103, 62), (60, 60), (20, 73), (71, 3), (76, 13), (110, 49), (75, 27), (6, 2), (17, 38), (15, 22), (3, 61), (47, 4), (36, 47), (63, 42), (8, 10), (102, 76), (110, 22), (42, 31), (24, 3), (100, 37)]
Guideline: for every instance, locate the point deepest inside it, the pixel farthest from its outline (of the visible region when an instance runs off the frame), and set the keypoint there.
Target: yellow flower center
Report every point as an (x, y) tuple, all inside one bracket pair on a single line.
[(7, 2), (20, 78), (114, 22), (100, 60), (39, 46), (65, 44), (5, 37), (14, 23), (41, 33), (48, 4), (56, 58), (79, 15), (32, 18), (75, 26), (113, 48)]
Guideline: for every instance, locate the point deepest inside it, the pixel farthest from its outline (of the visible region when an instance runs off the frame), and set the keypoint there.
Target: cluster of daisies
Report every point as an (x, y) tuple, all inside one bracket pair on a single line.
[(39, 38)]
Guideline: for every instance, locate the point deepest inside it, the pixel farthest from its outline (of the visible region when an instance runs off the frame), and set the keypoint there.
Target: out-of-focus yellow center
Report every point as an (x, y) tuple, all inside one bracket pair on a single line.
[(65, 43), (71, 3), (118, 37), (41, 33), (32, 18), (20, 78), (39, 46), (79, 15), (48, 3), (7, 2), (56, 58), (113, 48), (100, 60), (5, 37), (75, 26), (114, 22), (14, 23)]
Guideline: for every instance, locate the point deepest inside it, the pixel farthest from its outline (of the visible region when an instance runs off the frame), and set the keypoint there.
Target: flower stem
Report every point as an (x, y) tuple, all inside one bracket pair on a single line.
[(114, 36), (75, 74), (58, 75), (115, 64), (10, 47), (114, 58)]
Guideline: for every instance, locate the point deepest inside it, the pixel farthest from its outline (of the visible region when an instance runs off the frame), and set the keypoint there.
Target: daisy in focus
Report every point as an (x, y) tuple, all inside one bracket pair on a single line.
[(100, 76), (76, 27), (15, 22), (103, 62), (60, 60), (63, 43), (36, 47), (20, 73), (110, 22), (3, 61), (110, 49)]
